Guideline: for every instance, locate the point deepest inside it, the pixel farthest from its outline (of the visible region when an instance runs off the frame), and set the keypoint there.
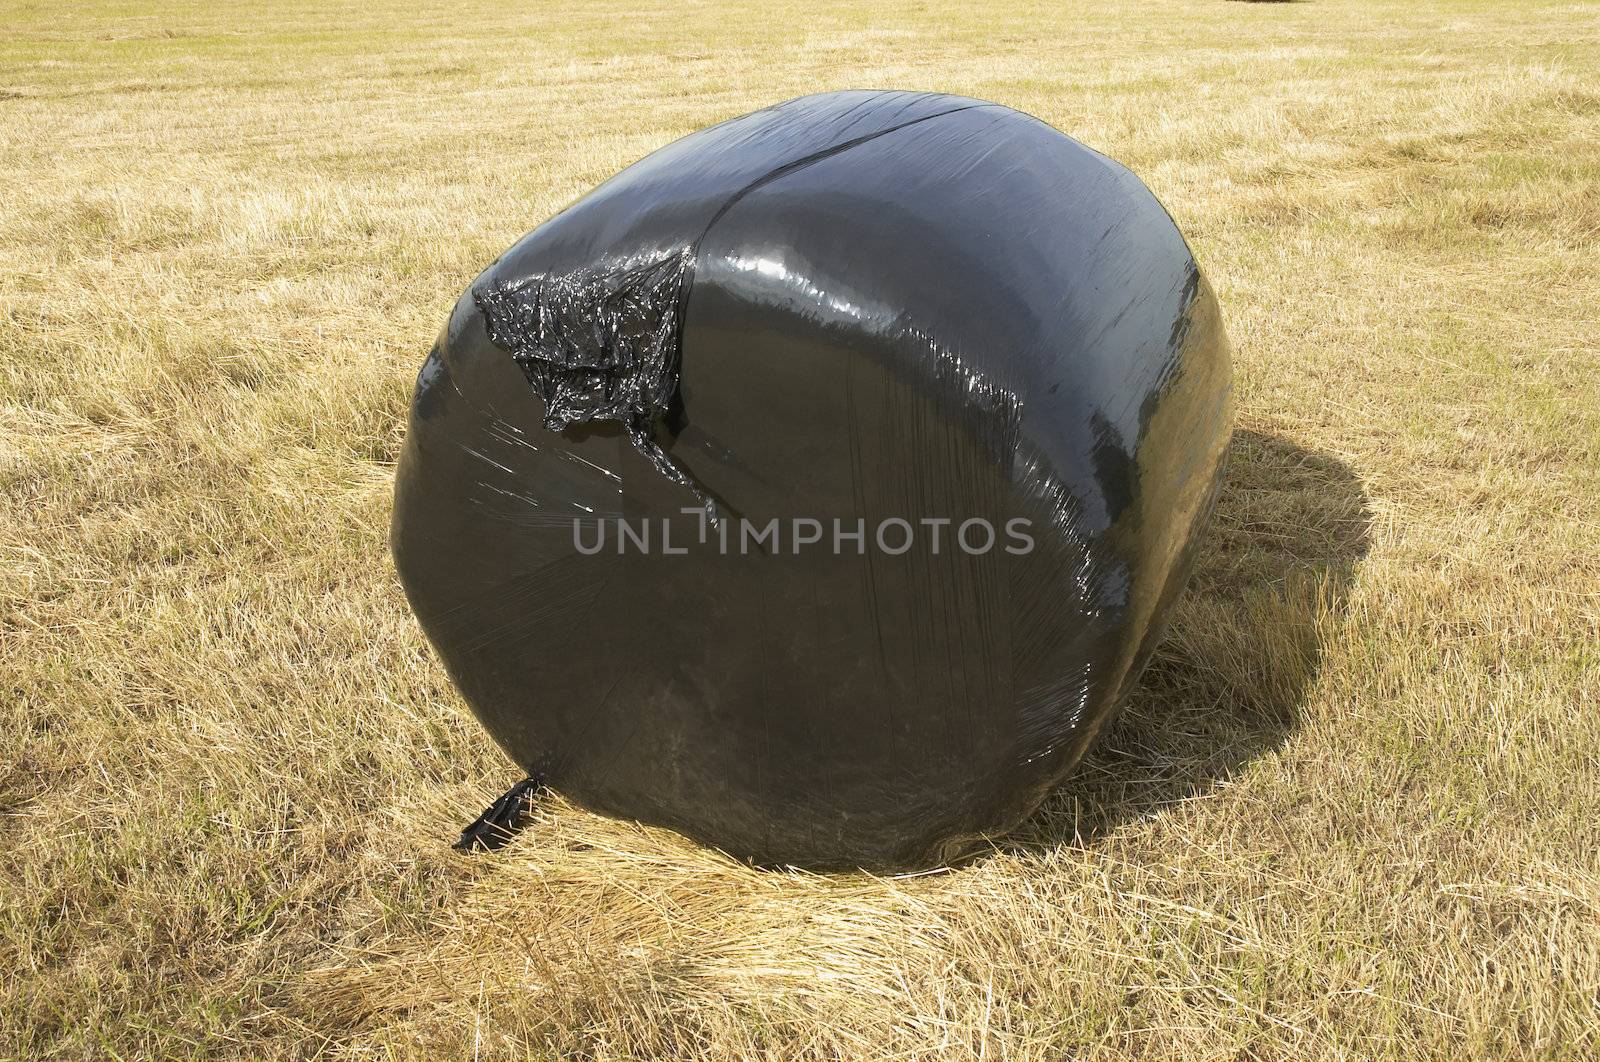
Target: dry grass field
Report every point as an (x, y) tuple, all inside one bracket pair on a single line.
[(1354, 810)]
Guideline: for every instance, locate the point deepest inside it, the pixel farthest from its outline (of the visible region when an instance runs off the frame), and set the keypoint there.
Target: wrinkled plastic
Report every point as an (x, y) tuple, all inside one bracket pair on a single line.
[(502, 820), (858, 306)]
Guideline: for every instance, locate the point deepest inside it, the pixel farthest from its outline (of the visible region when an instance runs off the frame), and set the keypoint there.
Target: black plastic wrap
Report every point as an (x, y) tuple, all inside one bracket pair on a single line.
[(920, 312)]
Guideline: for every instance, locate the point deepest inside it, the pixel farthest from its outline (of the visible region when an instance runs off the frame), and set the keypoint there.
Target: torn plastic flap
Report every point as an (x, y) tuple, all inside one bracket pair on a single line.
[(599, 344)]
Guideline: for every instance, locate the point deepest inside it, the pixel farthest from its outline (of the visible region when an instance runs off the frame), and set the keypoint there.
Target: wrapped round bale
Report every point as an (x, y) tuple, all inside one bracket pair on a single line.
[(818, 485)]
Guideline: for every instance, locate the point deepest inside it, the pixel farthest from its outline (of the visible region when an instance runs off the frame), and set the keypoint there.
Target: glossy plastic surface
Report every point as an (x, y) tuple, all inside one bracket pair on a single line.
[(859, 306)]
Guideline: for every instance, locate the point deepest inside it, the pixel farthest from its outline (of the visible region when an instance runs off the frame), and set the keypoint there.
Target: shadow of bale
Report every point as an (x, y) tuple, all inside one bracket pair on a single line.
[(1242, 648)]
